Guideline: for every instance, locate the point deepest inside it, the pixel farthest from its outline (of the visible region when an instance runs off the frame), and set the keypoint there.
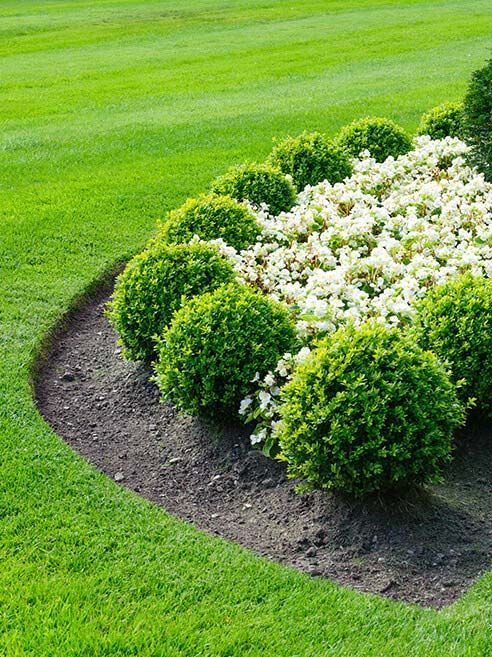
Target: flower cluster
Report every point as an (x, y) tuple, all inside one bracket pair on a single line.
[(262, 407), (368, 247)]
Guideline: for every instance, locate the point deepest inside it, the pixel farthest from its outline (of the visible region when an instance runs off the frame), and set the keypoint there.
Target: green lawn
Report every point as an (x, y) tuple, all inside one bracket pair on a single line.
[(112, 111)]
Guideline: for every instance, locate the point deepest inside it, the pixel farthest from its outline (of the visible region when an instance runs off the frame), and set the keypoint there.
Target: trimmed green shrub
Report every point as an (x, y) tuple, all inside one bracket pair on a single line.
[(309, 159), (455, 321), (257, 183), (381, 137), (443, 121), (477, 119), (215, 346), (154, 285), (211, 217), (368, 411)]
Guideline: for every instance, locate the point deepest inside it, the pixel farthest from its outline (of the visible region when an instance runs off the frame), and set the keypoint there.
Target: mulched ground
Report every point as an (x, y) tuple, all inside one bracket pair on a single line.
[(425, 551)]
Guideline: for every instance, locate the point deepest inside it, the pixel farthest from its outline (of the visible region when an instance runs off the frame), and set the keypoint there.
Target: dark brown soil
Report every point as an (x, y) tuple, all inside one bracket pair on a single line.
[(427, 551)]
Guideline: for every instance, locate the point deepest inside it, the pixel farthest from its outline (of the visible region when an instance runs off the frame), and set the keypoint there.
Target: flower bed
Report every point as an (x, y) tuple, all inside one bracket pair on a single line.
[(351, 323), (367, 248)]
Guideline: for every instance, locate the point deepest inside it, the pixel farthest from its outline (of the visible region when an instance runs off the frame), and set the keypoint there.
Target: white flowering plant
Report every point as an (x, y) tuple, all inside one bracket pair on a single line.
[(366, 248)]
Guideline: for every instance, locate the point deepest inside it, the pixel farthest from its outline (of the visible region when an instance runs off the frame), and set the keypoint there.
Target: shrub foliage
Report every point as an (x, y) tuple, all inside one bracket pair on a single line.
[(478, 119), (381, 137), (309, 159), (443, 121), (257, 183), (455, 321), (211, 217), (216, 345), (368, 411), (154, 285)]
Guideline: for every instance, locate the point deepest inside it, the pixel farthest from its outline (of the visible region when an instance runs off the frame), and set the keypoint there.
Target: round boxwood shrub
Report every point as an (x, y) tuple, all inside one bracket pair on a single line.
[(381, 137), (216, 344), (443, 121), (211, 217), (368, 411), (455, 321), (477, 119), (309, 159), (257, 183), (154, 285)]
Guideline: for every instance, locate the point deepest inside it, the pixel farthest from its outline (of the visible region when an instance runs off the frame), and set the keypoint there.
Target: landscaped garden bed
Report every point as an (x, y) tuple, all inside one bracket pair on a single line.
[(338, 299)]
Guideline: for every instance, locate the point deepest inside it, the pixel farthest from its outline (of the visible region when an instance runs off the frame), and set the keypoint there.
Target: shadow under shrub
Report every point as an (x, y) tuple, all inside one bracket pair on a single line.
[(368, 411)]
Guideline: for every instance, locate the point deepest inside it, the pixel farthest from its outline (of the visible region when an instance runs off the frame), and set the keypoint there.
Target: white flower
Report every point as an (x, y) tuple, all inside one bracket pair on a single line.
[(265, 398), (301, 356), (245, 404), (259, 437)]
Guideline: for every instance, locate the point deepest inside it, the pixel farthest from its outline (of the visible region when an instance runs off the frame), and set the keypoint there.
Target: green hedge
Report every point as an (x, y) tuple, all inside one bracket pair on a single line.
[(455, 321), (154, 285), (443, 121), (381, 137), (257, 183), (211, 217), (309, 159), (368, 411), (215, 346), (477, 119)]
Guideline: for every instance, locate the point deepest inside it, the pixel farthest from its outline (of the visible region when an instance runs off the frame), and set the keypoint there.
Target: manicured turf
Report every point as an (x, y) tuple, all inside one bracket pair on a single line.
[(111, 112)]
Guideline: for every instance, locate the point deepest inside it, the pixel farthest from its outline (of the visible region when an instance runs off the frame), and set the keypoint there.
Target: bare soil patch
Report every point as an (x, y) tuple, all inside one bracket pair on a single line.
[(425, 551)]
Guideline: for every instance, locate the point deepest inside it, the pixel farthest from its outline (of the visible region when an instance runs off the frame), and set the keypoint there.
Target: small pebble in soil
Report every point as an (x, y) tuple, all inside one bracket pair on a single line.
[(315, 572), (387, 585), (119, 476)]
